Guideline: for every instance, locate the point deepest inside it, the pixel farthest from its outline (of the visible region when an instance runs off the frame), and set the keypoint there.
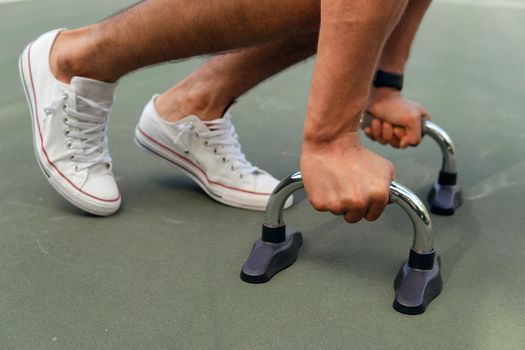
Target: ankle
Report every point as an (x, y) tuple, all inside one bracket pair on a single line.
[(74, 53), (205, 103)]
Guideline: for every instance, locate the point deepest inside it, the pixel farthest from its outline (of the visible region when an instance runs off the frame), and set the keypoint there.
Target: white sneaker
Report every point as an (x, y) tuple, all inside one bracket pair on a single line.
[(70, 130), (210, 154)]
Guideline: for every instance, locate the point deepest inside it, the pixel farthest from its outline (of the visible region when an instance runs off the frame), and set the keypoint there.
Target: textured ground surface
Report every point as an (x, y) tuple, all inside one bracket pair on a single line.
[(163, 273)]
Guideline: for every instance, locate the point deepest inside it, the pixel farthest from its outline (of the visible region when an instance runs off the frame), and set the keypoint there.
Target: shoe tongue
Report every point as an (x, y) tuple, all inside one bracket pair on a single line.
[(97, 91), (216, 123), (94, 90)]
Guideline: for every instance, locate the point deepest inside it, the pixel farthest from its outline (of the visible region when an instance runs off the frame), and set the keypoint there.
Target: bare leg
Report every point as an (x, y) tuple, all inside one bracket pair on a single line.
[(208, 91), (157, 31)]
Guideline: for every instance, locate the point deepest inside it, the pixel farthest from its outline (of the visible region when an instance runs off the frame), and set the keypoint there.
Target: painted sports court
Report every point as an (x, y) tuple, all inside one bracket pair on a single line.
[(164, 272)]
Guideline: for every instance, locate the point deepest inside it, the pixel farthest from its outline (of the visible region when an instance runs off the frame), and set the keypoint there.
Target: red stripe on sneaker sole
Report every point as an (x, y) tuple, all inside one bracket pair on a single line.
[(197, 167), (35, 111)]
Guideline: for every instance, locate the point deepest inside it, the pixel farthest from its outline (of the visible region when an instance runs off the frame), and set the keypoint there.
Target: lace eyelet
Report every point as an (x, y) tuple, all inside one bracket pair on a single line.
[(64, 107), (69, 145), (197, 135), (66, 119), (187, 151), (241, 176), (72, 157), (223, 160), (76, 167), (206, 143), (215, 151), (67, 132)]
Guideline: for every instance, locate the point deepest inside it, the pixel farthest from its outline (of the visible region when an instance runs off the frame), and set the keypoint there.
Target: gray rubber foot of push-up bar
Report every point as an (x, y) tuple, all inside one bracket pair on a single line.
[(417, 283), (268, 258), (445, 196)]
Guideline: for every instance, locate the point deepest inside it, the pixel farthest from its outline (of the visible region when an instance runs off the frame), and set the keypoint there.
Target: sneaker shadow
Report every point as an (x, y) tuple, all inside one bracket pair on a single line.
[(179, 182), (66, 207)]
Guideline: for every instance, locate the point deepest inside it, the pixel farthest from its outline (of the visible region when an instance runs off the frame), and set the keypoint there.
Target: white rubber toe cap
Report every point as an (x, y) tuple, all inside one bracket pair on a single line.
[(267, 183)]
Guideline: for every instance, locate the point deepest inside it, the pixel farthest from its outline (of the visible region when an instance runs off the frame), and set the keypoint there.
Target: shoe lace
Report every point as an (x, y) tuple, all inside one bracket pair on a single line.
[(222, 137), (87, 131)]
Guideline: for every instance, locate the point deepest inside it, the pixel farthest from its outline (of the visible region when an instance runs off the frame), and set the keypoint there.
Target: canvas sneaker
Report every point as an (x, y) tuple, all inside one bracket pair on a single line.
[(70, 130), (210, 154)]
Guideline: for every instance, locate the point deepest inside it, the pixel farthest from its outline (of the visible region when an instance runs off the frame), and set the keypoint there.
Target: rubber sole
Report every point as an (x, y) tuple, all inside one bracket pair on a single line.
[(189, 170)]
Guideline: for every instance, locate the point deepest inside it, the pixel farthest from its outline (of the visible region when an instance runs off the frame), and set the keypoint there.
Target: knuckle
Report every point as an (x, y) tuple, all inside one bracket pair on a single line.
[(415, 139), (320, 207), (414, 115), (359, 203), (386, 197), (381, 198), (318, 204), (337, 208)]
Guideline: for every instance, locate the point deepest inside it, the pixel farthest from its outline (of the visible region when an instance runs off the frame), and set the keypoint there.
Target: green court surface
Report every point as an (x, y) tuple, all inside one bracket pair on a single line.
[(164, 272)]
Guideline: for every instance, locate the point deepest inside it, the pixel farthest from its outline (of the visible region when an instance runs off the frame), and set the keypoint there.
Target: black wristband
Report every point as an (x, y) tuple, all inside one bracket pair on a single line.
[(387, 79)]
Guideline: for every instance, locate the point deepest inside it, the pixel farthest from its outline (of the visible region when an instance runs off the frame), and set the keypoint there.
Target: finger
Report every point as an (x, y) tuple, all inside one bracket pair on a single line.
[(400, 134), (355, 214), (394, 142), (413, 132), (338, 210), (368, 132), (376, 129), (405, 141), (376, 209), (388, 132)]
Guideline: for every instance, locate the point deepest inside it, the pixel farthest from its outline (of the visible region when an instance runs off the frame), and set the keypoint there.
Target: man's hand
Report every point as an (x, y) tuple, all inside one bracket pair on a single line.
[(339, 175), (397, 120), (346, 179)]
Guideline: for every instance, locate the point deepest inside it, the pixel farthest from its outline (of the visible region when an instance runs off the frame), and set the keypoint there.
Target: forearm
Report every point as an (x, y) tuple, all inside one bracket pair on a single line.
[(352, 35), (397, 48)]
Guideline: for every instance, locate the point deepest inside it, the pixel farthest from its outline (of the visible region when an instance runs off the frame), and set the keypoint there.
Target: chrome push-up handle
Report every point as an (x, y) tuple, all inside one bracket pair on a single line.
[(399, 194), (418, 281), (445, 196)]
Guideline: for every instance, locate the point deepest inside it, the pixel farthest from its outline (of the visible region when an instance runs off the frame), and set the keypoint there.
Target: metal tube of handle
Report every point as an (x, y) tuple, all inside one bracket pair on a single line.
[(399, 194), (418, 214), (448, 150), (275, 206)]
